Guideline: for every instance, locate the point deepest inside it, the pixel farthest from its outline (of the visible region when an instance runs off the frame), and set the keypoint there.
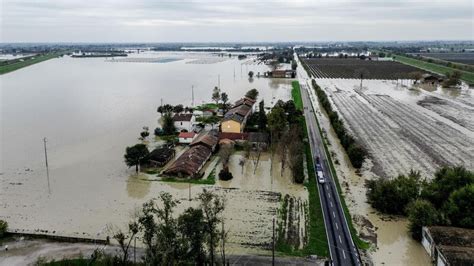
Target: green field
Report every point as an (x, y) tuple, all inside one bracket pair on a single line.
[(432, 67), (15, 66)]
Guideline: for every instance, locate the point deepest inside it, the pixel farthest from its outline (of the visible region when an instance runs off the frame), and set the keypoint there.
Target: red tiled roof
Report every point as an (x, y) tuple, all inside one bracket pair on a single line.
[(190, 162), (207, 138), (186, 135)]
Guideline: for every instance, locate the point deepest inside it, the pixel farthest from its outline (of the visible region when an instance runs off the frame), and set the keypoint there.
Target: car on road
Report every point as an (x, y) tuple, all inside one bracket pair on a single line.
[(319, 172)]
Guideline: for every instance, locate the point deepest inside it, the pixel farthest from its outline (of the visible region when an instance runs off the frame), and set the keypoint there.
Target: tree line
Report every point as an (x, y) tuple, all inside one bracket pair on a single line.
[(354, 150), (192, 238), (448, 199)]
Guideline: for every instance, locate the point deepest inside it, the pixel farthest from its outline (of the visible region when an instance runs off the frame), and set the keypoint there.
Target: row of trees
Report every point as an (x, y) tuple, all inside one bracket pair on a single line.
[(177, 109), (286, 137), (190, 239), (354, 150), (448, 199)]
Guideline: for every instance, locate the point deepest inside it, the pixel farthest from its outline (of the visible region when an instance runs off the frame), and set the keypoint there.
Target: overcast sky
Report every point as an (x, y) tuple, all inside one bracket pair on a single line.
[(243, 20)]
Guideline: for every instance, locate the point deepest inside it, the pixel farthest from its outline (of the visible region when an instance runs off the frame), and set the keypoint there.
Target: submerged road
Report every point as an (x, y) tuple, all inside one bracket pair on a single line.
[(341, 246)]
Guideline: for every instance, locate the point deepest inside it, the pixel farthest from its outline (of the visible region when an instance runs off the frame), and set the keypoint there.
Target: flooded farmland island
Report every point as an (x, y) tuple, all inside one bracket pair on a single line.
[(212, 133)]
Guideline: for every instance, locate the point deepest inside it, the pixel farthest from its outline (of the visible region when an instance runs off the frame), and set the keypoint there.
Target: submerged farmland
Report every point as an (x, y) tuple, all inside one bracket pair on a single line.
[(399, 133)]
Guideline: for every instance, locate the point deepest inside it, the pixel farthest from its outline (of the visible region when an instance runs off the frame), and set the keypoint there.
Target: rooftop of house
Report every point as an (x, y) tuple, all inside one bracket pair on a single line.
[(161, 154), (182, 117), (246, 100), (208, 139), (190, 162), (186, 135)]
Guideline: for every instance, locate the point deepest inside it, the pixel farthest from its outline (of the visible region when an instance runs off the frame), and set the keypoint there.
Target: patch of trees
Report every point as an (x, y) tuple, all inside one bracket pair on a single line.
[(287, 137), (189, 239), (252, 94), (448, 199), (452, 79), (354, 150)]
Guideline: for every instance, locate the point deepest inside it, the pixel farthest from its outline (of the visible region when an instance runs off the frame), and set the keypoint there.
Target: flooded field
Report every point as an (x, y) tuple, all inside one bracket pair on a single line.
[(90, 109), (399, 131), (392, 244)]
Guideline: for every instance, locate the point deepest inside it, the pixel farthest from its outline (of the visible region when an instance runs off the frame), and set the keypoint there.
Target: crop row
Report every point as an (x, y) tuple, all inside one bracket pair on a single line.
[(355, 68)]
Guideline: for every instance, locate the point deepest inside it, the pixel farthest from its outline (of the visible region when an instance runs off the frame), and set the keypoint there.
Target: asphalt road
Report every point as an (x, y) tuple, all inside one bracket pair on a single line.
[(341, 246)]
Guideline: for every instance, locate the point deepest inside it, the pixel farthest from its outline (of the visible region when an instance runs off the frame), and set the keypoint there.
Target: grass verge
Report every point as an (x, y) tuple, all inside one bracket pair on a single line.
[(436, 68), (28, 62), (296, 94)]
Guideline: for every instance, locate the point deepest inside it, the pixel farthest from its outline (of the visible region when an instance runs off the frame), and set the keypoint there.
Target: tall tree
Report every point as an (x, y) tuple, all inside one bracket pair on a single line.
[(224, 100), (250, 74), (168, 124), (136, 155), (212, 207), (277, 122), (216, 95), (192, 227), (262, 117)]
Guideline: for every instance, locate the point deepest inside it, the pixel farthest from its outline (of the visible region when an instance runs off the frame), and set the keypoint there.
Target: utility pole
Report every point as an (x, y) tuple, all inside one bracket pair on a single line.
[(223, 243), (219, 81), (189, 187), (161, 102), (135, 250), (192, 92), (47, 167), (273, 242)]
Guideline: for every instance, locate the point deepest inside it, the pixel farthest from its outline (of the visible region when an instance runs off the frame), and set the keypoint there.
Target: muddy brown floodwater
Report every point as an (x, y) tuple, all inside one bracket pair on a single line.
[(90, 109)]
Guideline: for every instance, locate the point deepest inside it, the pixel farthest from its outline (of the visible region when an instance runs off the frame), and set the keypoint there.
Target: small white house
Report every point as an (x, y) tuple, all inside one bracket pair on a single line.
[(184, 122), (186, 137)]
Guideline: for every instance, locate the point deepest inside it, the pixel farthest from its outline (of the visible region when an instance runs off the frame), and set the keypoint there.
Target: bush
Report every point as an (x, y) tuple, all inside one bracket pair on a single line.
[(225, 175), (421, 213), (393, 196), (3, 228)]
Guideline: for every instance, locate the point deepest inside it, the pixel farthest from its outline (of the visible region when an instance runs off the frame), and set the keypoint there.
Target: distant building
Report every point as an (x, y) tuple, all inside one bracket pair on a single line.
[(186, 137), (235, 119), (449, 245), (283, 73), (190, 163), (184, 122)]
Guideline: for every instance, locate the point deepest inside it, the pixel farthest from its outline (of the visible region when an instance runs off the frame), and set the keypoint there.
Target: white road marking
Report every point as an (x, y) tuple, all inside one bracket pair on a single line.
[(340, 239), (329, 195), (344, 254), (337, 227), (330, 203), (333, 214)]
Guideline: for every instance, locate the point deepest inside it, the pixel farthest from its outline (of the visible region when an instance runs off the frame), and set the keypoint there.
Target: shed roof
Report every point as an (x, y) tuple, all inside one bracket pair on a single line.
[(208, 139), (182, 117), (161, 154), (190, 162)]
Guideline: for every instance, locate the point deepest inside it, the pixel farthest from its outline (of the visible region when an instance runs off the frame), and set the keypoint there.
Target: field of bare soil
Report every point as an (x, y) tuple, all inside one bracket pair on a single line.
[(399, 133), (353, 68)]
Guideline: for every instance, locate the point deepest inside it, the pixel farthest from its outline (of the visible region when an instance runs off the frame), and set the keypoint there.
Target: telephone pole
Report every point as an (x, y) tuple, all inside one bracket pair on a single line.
[(47, 167), (219, 81), (273, 242), (192, 92)]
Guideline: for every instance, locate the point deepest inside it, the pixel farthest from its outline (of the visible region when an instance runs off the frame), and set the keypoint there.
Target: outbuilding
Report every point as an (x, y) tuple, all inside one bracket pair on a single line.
[(186, 137)]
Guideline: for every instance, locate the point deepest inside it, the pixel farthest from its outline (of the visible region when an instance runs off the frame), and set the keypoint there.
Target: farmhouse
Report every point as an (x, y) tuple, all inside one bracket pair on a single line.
[(160, 156), (235, 119), (184, 122), (283, 74), (449, 245), (186, 137), (190, 163)]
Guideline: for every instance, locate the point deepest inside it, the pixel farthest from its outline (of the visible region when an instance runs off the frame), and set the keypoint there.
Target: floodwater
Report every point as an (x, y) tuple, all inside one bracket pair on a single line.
[(90, 109)]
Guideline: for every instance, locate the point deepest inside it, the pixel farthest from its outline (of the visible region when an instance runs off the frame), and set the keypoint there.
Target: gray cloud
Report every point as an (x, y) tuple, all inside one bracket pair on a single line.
[(200, 20)]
